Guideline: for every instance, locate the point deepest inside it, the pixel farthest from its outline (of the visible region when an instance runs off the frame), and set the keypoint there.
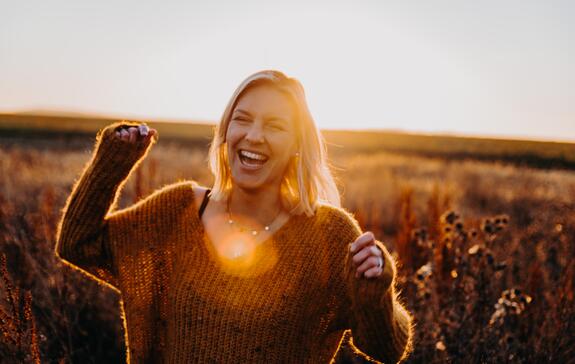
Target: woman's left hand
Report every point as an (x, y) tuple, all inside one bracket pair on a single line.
[(367, 256)]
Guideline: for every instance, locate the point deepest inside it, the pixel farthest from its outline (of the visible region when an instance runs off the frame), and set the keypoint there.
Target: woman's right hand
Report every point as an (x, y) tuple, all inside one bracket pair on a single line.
[(124, 142), (136, 134)]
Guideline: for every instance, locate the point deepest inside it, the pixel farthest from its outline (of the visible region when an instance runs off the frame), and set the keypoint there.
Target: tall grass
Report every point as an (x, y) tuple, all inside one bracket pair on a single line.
[(485, 250)]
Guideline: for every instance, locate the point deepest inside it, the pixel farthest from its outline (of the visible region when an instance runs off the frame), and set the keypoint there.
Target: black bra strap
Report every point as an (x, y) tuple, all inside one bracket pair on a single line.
[(204, 203)]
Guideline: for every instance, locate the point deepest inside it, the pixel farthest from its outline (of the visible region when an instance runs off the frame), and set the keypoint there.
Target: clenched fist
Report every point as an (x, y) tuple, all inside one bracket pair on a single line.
[(123, 144), (135, 134)]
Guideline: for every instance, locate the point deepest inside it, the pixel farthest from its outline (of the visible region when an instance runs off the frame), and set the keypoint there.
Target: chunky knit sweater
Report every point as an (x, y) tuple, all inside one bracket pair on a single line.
[(183, 302)]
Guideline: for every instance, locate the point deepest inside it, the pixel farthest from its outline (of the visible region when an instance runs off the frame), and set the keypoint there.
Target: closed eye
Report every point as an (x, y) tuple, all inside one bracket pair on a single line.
[(241, 119), (276, 126)]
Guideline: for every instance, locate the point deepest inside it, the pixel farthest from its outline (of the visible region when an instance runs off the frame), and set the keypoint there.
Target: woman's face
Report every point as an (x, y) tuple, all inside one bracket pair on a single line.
[(261, 138)]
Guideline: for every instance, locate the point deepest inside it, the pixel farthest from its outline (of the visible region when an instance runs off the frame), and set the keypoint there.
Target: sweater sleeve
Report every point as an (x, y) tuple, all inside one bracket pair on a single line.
[(83, 232), (381, 327)]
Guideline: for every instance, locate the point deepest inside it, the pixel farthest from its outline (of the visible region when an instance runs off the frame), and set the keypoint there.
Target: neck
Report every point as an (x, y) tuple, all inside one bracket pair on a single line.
[(259, 205)]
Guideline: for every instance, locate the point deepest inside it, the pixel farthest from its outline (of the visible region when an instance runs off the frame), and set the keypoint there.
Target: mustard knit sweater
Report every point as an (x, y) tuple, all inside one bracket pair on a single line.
[(183, 303)]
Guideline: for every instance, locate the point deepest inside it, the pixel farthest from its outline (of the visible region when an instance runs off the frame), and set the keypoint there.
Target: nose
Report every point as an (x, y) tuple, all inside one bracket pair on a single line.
[(255, 133)]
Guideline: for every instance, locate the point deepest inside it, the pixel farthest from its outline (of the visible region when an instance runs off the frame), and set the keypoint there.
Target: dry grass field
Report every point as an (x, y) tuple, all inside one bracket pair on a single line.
[(486, 244)]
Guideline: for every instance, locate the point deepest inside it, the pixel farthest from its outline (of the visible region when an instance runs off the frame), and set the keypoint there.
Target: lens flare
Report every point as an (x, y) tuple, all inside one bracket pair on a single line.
[(242, 255)]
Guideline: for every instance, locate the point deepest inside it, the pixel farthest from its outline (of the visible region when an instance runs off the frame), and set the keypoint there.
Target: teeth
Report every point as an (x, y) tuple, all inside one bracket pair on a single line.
[(251, 155)]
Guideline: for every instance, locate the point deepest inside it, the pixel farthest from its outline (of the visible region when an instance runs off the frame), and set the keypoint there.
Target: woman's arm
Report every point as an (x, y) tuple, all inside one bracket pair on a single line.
[(82, 237), (381, 326)]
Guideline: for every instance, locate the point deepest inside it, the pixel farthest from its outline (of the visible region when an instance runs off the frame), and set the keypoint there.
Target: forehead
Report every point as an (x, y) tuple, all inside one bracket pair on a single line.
[(266, 99)]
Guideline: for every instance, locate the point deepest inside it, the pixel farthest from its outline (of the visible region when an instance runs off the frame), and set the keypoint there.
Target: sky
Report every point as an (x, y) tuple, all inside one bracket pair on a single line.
[(492, 68)]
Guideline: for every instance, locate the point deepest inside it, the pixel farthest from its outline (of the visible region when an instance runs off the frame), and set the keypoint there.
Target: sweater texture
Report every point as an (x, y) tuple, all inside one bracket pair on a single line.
[(290, 299)]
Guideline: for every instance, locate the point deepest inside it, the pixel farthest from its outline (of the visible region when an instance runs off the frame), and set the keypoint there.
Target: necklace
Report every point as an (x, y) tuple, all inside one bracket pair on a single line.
[(244, 228)]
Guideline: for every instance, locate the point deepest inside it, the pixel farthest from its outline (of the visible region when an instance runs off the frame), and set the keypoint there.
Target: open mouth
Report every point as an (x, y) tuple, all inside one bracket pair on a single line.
[(252, 159)]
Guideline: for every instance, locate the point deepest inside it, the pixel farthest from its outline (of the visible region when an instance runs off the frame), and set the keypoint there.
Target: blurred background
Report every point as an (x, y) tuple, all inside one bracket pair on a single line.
[(450, 127)]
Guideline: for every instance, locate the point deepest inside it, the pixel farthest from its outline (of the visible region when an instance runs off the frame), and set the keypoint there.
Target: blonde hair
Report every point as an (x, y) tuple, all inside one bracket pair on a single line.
[(308, 180)]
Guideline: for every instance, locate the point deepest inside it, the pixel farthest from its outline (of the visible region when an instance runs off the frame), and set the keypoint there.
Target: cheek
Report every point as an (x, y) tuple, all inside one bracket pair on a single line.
[(284, 150), (283, 141), (229, 134), (232, 136), (231, 140)]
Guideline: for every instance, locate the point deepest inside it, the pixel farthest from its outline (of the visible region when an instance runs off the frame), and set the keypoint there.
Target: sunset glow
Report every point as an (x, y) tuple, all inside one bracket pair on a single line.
[(489, 68)]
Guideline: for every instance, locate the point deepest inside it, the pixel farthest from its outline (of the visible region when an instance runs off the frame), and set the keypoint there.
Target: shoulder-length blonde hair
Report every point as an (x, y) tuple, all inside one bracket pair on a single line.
[(308, 180)]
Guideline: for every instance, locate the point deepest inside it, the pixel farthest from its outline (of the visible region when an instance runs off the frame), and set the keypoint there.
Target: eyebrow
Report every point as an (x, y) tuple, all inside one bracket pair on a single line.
[(273, 117), (242, 111)]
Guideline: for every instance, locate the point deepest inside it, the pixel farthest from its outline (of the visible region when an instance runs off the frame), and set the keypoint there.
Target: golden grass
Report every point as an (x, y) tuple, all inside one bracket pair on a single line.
[(486, 250)]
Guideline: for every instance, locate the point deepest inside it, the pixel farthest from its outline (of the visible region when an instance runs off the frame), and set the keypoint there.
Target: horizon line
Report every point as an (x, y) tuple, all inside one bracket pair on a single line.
[(131, 116)]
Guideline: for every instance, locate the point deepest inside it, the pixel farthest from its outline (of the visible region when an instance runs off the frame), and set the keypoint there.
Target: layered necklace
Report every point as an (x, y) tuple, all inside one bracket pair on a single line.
[(242, 228)]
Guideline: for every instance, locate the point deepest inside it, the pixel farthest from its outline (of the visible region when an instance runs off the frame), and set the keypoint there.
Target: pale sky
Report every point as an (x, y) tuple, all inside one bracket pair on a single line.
[(503, 68)]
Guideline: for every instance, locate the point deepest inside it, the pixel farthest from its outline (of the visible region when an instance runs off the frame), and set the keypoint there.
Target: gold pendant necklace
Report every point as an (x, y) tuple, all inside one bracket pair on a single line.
[(243, 228)]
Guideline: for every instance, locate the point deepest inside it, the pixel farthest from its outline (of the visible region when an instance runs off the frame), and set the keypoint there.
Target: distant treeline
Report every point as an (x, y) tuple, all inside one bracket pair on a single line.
[(78, 132)]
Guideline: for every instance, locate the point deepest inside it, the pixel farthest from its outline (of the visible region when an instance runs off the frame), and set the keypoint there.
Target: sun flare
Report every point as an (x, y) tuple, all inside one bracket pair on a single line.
[(240, 254)]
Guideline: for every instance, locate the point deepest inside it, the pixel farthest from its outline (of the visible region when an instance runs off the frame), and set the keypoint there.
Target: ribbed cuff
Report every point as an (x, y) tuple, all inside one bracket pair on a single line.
[(388, 274)]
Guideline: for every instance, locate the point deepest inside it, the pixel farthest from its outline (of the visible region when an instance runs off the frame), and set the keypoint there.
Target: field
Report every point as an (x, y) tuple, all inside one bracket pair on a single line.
[(484, 231)]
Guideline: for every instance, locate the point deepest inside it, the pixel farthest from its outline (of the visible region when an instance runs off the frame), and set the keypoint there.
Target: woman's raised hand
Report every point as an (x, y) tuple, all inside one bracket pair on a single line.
[(124, 143), (135, 134), (367, 257)]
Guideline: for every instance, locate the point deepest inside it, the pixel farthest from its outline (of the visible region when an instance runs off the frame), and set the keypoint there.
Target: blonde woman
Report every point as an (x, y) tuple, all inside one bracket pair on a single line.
[(264, 266)]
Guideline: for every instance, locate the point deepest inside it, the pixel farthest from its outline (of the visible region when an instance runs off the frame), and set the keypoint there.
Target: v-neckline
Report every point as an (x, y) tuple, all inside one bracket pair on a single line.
[(272, 236), (210, 247)]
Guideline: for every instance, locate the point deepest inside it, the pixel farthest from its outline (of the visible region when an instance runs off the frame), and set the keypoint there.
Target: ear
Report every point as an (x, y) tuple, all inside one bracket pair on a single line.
[(296, 148), (295, 152)]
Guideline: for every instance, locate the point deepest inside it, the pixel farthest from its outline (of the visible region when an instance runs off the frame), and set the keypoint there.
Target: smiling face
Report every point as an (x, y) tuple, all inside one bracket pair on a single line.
[(261, 138)]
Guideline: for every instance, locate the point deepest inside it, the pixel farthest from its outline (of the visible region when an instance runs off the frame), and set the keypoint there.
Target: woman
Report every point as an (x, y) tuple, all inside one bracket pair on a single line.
[(262, 267)]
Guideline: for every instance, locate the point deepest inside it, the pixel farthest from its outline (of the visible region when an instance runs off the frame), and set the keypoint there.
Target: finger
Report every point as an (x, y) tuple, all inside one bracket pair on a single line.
[(367, 264), (373, 272), (366, 252), (152, 135), (143, 129), (118, 134), (133, 134), (362, 241), (124, 134)]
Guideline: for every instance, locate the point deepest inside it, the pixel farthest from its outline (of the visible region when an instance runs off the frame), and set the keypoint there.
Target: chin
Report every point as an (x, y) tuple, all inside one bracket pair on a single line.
[(247, 183)]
